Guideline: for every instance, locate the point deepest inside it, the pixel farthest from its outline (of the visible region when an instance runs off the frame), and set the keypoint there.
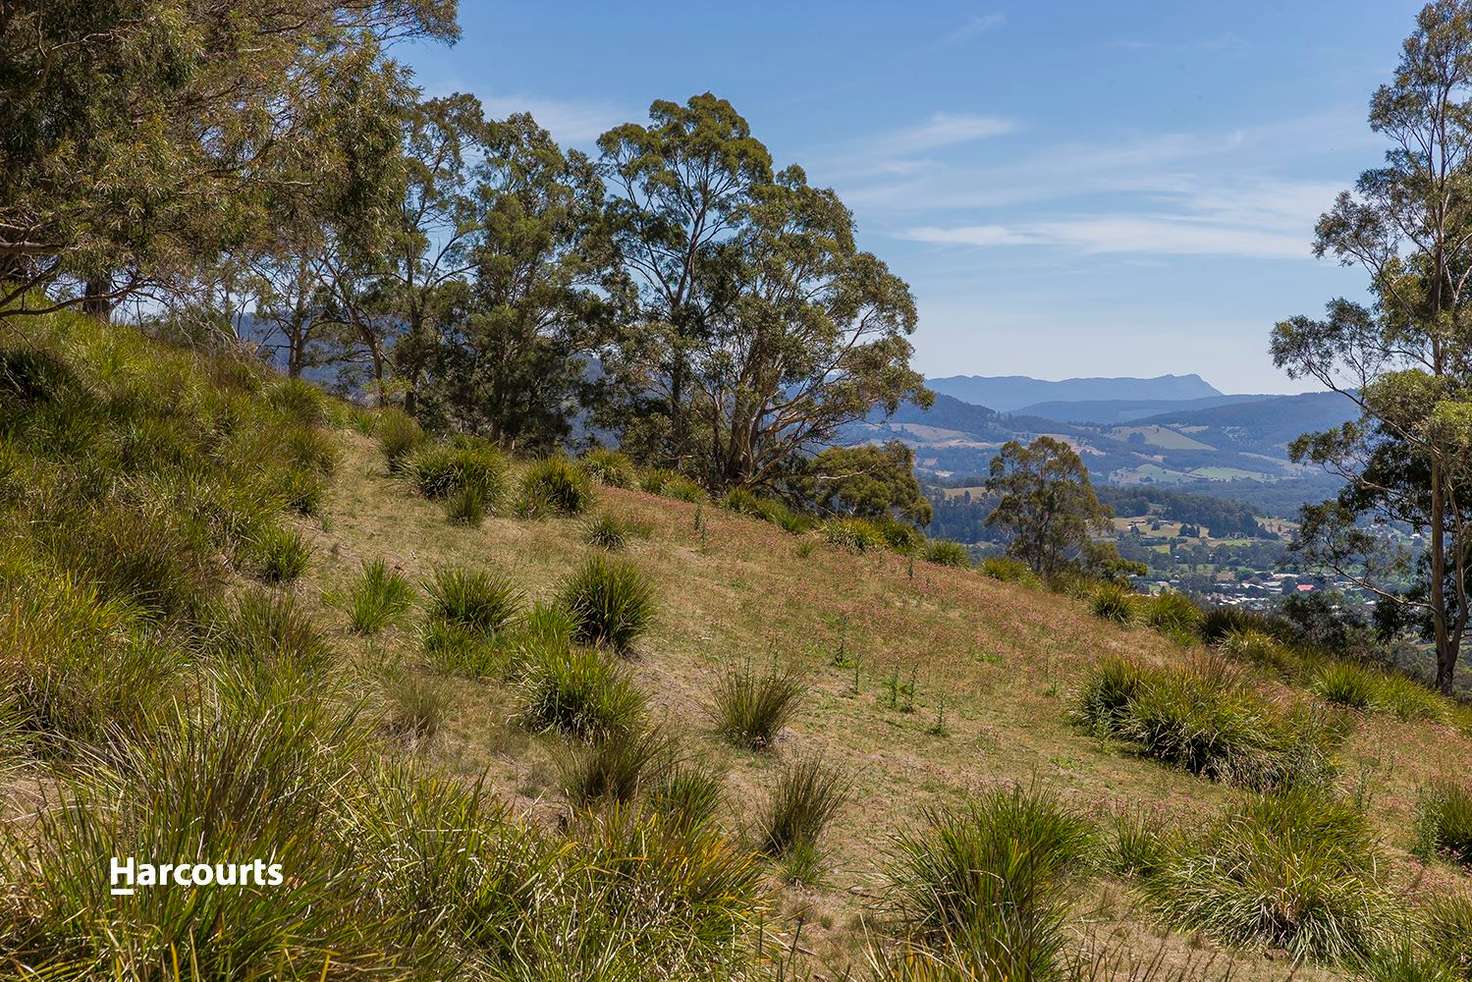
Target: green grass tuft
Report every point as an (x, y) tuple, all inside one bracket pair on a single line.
[(477, 600), (377, 598), (611, 602), (751, 708)]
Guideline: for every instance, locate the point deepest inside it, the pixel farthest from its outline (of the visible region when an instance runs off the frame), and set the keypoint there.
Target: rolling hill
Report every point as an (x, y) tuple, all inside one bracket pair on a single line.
[(1015, 392)]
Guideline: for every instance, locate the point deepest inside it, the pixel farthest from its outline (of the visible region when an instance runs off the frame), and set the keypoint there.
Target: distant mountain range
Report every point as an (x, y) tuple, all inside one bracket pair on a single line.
[(1229, 446), (1007, 393)]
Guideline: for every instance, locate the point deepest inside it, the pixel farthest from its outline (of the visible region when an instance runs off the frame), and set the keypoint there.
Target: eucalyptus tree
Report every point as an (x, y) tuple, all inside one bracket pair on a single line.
[(806, 333), (1046, 504), (542, 296), (681, 186), (1405, 358), (144, 135)]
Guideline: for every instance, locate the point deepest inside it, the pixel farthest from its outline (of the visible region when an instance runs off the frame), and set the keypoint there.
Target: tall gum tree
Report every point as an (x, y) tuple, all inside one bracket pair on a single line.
[(1404, 358)]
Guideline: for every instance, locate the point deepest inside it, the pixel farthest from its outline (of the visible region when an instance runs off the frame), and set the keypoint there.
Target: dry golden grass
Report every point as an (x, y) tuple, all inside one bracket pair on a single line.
[(1001, 659)]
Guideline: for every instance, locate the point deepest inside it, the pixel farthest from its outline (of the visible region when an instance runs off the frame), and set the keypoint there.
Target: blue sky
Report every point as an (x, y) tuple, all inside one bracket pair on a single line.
[(1071, 188)]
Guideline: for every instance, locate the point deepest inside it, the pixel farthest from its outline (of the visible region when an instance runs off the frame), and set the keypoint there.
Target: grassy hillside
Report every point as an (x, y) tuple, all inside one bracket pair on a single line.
[(233, 626)]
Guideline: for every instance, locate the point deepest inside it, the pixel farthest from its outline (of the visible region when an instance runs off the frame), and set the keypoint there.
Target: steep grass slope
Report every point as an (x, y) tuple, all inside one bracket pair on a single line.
[(283, 647)]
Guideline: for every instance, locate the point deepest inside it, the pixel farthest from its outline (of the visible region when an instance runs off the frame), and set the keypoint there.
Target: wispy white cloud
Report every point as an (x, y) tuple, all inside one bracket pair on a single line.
[(569, 121), (1150, 234), (943, 130), (976, 24)]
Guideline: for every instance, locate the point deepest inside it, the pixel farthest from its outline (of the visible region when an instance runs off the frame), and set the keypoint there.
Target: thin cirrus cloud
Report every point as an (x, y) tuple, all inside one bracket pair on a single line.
[(975, 25), (568, 121), (944, 130), (1123, 233)]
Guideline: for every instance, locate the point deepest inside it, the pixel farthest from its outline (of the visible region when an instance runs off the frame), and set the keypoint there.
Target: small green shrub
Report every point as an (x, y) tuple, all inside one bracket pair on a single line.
[(278, 555), (439, 470), (615, 766), (557, 485), (477, 600), (1009, 570), (1298, 871), (611, 602), (579, 691), (609, 467), (807, 796), (947, 553), (984, 883), (750, 709), (1114, 603), (399, 436), (1444, 822), (377, 598)]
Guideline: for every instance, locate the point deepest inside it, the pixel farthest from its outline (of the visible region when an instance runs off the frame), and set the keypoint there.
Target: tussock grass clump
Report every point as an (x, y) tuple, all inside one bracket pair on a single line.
[(75, 668), (1139, 844), (615, 766), (1346, 684), (611, 602), (310, 449), (1445, 928), (1444, 822), (377, 598), (1009, 570), (556, 485), (687, 794), (477, 600), (399, 436), (1218, 622), (606, 532), (789, 521), (1299, 871), (743, 501), (854, 534), (1171, 611), (1204, 718), (440, 470), (269, 632), (1113, 602), (454, 649), (805, 799), (279, 555), (298, 400), (416, 706), (466, 506), (943, 552), (984, 884), (671, 484), (609, 467), (579, 691), (751, 708), (1259, 649), (1409, 700), (301, 489)]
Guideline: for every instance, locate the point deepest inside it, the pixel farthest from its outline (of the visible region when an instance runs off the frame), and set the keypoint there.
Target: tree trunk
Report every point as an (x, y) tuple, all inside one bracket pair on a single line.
[(95, 300), (1446, 651)]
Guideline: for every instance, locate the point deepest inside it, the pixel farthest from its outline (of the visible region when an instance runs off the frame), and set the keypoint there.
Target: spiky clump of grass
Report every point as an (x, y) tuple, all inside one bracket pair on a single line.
[(616, 766), (1173, 612), (466, 506), (415, 705), (310, 449), (399, 435), (440, 470), (672, 484), (557, 485), (984, 883), (279, 555), (1298, 871), (743, 501), (1113, 602), (377, 598), (298, 400), (807, 796), (454, 649), (1409, 700), (1346, 684), (687, 794), (750, 707), (609, 467), (853, 534), (1140, 843), (1256, 648), (1444, 822), (604, 531), (1009, 570), (789, 521), (579, 691), (611, 602), (1218, 622), (477, 600), (947, 553), (1445, 929), (301, 489), (267, 632), (1203, 717)]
